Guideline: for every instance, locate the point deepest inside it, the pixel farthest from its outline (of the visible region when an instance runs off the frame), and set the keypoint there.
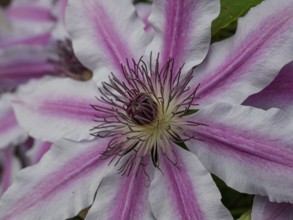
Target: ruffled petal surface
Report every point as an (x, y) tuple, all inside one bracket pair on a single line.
[(123, 197), (10, 132), (185, 190), (63, 183), (182, 30), (249, 148), (54, 108), (38, 150), (247, 62), (263, 209), (278, 94), (105, 33), (144, 10), (19, 64)]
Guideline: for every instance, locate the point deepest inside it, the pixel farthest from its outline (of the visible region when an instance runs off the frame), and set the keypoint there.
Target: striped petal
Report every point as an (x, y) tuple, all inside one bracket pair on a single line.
[(23, 22), (247, 62), (63, 178), (50, 109), (9, 166), (249, 148), (105, 33), (278, 94), (182, 30), (19, 64), (10, 132), (185, 190), (123, 198), (263, 209)]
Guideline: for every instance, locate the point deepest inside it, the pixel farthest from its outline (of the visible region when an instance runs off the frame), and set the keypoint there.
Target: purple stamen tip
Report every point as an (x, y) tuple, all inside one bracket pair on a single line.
[(142, 109)]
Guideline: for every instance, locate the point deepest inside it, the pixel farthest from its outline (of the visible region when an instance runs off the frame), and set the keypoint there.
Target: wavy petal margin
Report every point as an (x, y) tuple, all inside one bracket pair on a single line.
[(63, 183), (247, 62), (182, 30), (249, 148)]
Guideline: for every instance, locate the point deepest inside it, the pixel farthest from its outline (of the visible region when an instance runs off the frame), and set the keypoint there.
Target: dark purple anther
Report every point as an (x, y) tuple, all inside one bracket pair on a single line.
[(142, 109)]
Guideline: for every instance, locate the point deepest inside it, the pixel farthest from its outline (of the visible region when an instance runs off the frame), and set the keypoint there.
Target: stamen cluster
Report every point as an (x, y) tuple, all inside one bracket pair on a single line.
[(145, 112)]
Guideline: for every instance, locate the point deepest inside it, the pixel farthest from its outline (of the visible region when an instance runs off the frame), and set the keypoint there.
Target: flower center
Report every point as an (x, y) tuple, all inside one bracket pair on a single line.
[(145, 113), (142, 109)]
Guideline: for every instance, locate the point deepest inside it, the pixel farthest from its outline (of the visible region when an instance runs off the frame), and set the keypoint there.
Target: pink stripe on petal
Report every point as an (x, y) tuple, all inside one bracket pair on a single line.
[(249, 61), (105, 34), (250, 149), (63, 178), (43, 149), (182, 30), (36, 14), (143, 10), (7, 166), (41, 39), (181, 187), (123, 198), (185, 190), (63, 106), (8, 121)]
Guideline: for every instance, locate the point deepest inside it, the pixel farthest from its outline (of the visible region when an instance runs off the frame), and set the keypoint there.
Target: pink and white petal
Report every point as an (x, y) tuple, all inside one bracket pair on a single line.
[(38, 150), (53, 108), (25, 22), (143, 10), (30, 13), (249, 148), (182, 30), (278, 94), (105, 33), (18, 64), (123, 197), (9, 167), (185, 190), (10, 131), (60, 31), (263, 209), (247, 62), (63, 178)]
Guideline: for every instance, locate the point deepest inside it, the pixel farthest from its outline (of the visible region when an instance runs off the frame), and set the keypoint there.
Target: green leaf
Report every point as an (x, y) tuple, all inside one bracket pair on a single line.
[(237, 203), (231, 10), (182, 145), (246, 216)]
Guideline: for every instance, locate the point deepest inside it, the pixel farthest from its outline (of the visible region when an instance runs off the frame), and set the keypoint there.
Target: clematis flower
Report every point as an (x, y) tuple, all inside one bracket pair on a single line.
[(160, 125)]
